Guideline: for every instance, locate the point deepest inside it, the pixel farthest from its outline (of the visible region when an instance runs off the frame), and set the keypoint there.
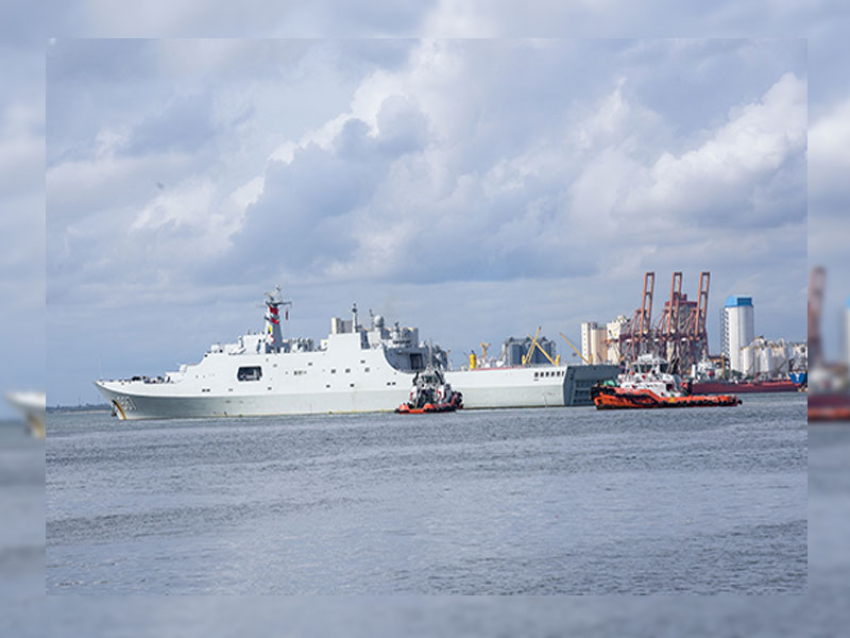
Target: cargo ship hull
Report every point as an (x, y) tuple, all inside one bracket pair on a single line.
[(529, 387)]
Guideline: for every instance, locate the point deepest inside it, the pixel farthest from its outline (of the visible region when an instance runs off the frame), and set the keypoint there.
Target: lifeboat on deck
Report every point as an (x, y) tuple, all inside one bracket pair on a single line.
[(648, 383), (431, 394)]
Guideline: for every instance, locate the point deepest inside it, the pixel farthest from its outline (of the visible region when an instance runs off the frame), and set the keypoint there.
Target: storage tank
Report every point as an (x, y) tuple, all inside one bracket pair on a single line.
[(766, 359), (748, 360), (782, 355)]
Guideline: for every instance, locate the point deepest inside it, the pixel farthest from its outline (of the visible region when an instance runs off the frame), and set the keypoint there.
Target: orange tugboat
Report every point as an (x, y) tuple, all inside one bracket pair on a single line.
[(431, 394), (649, 384)]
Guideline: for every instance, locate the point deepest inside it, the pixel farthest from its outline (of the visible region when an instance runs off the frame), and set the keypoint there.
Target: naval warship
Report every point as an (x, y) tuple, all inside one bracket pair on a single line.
[(355, 369)]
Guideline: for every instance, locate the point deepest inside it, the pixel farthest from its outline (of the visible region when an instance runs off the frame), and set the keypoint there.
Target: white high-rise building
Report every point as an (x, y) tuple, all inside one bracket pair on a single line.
[(593, 342), (737, 329), (614, 330)]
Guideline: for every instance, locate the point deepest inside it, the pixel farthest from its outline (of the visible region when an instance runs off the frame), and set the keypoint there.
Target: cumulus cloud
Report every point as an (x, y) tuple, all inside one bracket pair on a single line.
[(403, 174), (466, 142), (829, 223), (195, 18), (829, 163), (22, 223), (723, 180), (21, 146), (184, 125), (436, 18)]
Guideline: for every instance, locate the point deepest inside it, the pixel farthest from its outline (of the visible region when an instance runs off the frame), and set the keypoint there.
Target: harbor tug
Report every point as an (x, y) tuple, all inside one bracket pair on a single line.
[(650, 383), (431, 393)]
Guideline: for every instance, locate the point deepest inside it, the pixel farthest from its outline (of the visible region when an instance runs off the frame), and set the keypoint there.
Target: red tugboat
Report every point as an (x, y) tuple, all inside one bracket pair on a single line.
[(430, 394), (649, 384)]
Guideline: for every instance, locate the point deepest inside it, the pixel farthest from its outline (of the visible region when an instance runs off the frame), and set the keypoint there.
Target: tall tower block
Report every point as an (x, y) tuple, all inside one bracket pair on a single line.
[(737, 329)]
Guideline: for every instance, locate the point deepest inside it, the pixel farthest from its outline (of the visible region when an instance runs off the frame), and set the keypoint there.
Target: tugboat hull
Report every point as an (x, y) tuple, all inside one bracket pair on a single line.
[(428, 408), (615, 398)]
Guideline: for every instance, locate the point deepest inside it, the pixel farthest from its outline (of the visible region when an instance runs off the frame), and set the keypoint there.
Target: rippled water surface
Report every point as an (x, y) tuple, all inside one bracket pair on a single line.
[(21, 529), (568, 501)]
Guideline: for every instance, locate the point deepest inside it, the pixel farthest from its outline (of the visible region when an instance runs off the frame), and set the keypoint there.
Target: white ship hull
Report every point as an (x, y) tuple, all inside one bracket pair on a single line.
[(133, 405), (342, 379)]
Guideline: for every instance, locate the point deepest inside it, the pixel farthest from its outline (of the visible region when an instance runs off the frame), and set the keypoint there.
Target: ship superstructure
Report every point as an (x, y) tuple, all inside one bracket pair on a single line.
[(355, 369)]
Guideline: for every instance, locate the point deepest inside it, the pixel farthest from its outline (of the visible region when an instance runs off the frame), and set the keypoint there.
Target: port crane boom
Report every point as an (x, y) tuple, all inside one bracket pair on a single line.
[(526, 359), (577, 351), (534, 344)]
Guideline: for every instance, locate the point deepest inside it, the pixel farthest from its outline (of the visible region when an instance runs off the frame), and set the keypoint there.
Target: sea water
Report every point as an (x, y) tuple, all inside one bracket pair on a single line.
[(526, 501)]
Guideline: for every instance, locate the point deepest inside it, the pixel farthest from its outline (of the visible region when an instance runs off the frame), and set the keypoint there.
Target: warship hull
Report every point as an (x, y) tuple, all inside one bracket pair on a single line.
[(496, 388), (355, 369)]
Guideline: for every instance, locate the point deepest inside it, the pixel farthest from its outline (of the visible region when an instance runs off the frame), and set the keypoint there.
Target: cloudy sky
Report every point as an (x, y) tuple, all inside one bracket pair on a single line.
[(22, 219), (443, 18), (476, 188), (186, 177)]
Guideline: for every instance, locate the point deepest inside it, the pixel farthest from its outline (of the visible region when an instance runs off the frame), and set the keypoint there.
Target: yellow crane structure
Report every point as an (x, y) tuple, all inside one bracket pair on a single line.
[(534, 344), (526, 358), (484, 346), (578, 352)]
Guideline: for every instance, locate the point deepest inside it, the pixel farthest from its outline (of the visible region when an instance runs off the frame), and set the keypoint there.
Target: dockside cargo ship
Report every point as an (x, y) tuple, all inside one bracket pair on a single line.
[(355, 369)]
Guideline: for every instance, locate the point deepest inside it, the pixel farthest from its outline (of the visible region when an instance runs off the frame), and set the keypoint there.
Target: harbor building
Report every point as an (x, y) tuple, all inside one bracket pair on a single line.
[(614, 330), (593, 342), (600, 344), (773, 359), (737, 329), (766, 359)]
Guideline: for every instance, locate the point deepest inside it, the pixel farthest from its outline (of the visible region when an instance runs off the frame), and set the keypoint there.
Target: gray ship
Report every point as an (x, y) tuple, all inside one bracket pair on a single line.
[(355, 369)]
